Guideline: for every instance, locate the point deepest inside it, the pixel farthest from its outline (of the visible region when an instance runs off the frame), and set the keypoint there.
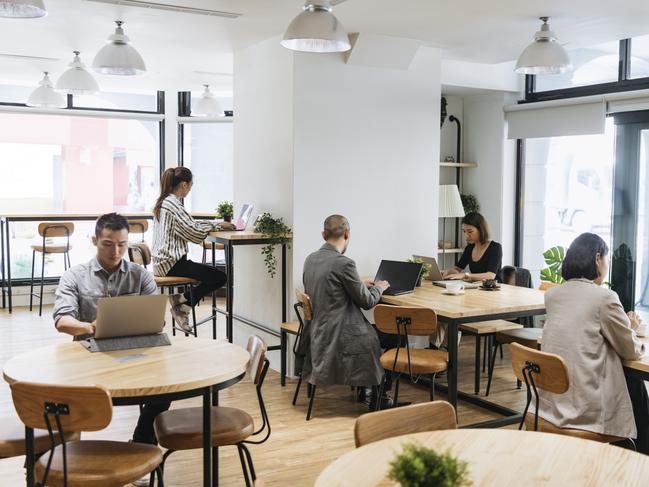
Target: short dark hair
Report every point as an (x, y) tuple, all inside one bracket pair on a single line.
[(477, 220), (110, 221), (335, 226), (579, 262)]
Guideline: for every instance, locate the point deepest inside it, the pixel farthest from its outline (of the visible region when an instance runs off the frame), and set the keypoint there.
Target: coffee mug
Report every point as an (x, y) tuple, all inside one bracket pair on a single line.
[(489, 283), (643, 331), (455, 287)]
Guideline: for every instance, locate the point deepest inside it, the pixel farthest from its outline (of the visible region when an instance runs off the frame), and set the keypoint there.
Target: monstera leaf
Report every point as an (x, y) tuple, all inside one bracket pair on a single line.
[(553, 259)]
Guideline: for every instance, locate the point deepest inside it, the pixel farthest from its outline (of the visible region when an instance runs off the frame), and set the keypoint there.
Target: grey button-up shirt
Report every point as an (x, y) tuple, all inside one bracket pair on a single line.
[(81, 287)]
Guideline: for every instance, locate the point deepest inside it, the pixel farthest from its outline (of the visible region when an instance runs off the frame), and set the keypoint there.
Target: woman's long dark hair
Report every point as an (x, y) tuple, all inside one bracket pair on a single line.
[(477, 220), (171, 178)]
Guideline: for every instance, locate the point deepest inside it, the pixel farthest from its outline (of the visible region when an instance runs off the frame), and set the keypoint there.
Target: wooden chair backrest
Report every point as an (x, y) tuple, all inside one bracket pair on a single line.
[(138, 226), (547, 285), (418, 418), (305, 301), (140, 254), (423, 321), (552, 375), (90, 408), (257, 350), (55, 229)]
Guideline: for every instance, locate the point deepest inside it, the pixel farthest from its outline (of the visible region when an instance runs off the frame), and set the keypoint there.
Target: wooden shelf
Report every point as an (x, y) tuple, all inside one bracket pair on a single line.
[(450, 251), (458, 164)]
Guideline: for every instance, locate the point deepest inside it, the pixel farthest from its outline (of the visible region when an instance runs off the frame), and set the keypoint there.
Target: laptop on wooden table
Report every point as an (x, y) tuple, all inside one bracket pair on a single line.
[(435, 274), (402, 276)]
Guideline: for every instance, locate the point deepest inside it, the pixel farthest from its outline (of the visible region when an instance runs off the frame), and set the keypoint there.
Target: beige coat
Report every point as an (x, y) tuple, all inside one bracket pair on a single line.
[(587, 326)]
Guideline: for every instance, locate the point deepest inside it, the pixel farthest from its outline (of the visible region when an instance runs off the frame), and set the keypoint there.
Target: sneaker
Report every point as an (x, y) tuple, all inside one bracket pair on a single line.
[(180, 313), (143, 482)]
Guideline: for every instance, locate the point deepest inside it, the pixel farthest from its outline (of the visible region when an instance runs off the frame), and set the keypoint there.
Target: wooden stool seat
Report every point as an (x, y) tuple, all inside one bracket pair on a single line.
[(182, 429), (12, 438), (525, 336), (422, 360), (208, 245), (545, 426), (291, 327), (101, 463), (174, 281), (51, 249), (488, 327)]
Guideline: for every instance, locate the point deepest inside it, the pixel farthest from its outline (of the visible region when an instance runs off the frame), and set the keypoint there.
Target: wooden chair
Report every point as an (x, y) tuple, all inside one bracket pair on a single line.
[(12, 438), (212, 247), (548, 372), (46, 231), (182, 429), (138, 227), (294, 328), (140, 254), (62, 410), (405, 321), (417, 418)]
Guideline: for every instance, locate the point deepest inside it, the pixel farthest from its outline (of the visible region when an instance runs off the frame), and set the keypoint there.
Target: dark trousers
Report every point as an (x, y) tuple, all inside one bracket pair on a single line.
[(144, 432), (640, 402), (210, 278)]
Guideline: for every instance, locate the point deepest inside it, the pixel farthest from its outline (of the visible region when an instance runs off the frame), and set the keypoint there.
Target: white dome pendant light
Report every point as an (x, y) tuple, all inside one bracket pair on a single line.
[(45, 97), (207, 105), (118, 56), (545, 55), (316, 29), (22, 9), (77, 80)]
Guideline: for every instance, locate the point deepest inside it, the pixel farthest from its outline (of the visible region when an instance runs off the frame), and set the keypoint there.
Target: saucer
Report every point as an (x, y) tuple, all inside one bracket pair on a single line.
[(497, 288), (459, 293)]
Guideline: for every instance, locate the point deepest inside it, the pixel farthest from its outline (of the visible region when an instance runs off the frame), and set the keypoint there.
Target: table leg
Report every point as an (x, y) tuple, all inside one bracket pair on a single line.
[(2, 264), (452, 363), (283, 344), (29, 457), (8, 249), (229, 292), (284, 293), (215, 451), (207, 437), (213, 295), (476, 379)]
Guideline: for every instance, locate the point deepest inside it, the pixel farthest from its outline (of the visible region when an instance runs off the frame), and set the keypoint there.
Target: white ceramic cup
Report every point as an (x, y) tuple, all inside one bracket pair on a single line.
[(455, 287), (643, 331)]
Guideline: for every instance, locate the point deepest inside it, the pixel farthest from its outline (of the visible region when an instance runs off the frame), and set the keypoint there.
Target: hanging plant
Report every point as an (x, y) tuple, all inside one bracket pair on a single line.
[(275, 229)]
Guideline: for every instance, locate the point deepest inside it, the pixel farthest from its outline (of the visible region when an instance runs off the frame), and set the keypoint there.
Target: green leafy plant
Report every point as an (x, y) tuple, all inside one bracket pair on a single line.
[(470, 203), (553, 259), (225, 210), (418, 466), (276, 229), (424, 265)]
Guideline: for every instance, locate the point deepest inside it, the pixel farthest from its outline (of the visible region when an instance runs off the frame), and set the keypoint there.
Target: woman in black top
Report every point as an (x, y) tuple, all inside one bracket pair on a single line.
[(482, 255)]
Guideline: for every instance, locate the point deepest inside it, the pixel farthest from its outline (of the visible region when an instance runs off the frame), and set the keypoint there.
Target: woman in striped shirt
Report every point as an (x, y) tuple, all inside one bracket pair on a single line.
[(173, 227)]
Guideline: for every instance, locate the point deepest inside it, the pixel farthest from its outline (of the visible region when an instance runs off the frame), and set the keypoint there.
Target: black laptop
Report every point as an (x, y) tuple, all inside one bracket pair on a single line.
[(402, 276)]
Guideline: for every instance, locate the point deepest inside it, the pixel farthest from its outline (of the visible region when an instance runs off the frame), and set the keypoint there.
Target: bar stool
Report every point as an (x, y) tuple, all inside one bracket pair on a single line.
[(213, 247), (50, 230), (138, 227)]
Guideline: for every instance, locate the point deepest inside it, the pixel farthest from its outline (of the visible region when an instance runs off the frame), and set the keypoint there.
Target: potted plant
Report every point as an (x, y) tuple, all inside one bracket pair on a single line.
[(225, 210), (418, 466), (278, 231), (553, 259), (425, 268), (470, 203)]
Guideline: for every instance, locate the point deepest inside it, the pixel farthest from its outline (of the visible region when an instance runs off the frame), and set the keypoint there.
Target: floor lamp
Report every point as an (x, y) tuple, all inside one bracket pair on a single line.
[(450, 206)]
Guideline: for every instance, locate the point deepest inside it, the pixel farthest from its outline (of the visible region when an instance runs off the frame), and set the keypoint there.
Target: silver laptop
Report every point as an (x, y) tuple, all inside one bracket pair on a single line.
[(241, 223), (435, 274)]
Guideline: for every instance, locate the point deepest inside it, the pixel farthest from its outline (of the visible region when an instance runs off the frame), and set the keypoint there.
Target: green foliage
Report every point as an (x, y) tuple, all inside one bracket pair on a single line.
[(470, 203), (225, 210), (276, 229), (424, 265), (418, 466), (553, 259)]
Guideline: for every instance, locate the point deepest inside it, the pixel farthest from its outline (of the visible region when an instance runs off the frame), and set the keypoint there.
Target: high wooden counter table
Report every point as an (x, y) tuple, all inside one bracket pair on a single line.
[(640, 367), (474, 305), (500, 458), (187, 368)]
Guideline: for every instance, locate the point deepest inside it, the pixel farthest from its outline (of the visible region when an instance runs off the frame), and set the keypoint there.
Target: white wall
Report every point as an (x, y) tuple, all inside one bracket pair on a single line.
[(263, 173), (367, 146)]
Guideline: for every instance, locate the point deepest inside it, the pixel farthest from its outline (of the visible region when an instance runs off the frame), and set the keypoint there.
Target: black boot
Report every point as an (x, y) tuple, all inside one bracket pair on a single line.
[(385, 401)]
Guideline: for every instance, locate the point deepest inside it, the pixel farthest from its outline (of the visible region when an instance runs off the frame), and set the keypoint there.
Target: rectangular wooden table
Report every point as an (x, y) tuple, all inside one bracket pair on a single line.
[(640, 367), (474, 305), (5, 238)]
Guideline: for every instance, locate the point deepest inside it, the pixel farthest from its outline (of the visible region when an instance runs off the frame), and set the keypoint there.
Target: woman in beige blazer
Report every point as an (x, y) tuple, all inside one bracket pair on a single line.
[(587, 326)]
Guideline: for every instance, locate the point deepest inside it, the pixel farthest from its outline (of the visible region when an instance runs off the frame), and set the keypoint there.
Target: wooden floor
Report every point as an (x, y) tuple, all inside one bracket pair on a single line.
[(297, 450)]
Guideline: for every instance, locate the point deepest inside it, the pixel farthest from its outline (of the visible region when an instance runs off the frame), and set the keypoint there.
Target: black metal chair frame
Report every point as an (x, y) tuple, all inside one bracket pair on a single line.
[(58, 410), (66, 265), (245, 457)]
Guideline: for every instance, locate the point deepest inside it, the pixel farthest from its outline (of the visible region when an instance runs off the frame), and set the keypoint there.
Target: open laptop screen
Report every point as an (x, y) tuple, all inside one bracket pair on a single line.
[(402, 276)]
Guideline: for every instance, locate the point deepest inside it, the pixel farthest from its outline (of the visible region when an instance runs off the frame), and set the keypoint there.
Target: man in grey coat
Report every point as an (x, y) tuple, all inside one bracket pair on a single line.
[(340, 346)]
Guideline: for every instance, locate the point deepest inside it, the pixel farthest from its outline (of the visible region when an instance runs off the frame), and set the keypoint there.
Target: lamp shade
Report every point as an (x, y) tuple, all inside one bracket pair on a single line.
[(544, 55), (118, 56), (316, 29), (450, 203), (207, 105), (22, 9), (45, 97), (77, 80)]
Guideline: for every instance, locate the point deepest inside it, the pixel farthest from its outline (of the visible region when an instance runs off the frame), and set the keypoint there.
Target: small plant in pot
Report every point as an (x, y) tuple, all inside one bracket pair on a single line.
[(425, 269), (418, 466), (279, 232), (470, 203), (225, 210)]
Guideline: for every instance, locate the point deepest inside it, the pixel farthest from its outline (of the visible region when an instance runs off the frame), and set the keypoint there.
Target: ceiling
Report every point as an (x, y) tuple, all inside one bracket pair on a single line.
[(183, 51)]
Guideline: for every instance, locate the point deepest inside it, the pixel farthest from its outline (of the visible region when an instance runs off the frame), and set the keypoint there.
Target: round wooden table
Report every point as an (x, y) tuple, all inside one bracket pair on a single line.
[(190, 367), (500, 458)]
